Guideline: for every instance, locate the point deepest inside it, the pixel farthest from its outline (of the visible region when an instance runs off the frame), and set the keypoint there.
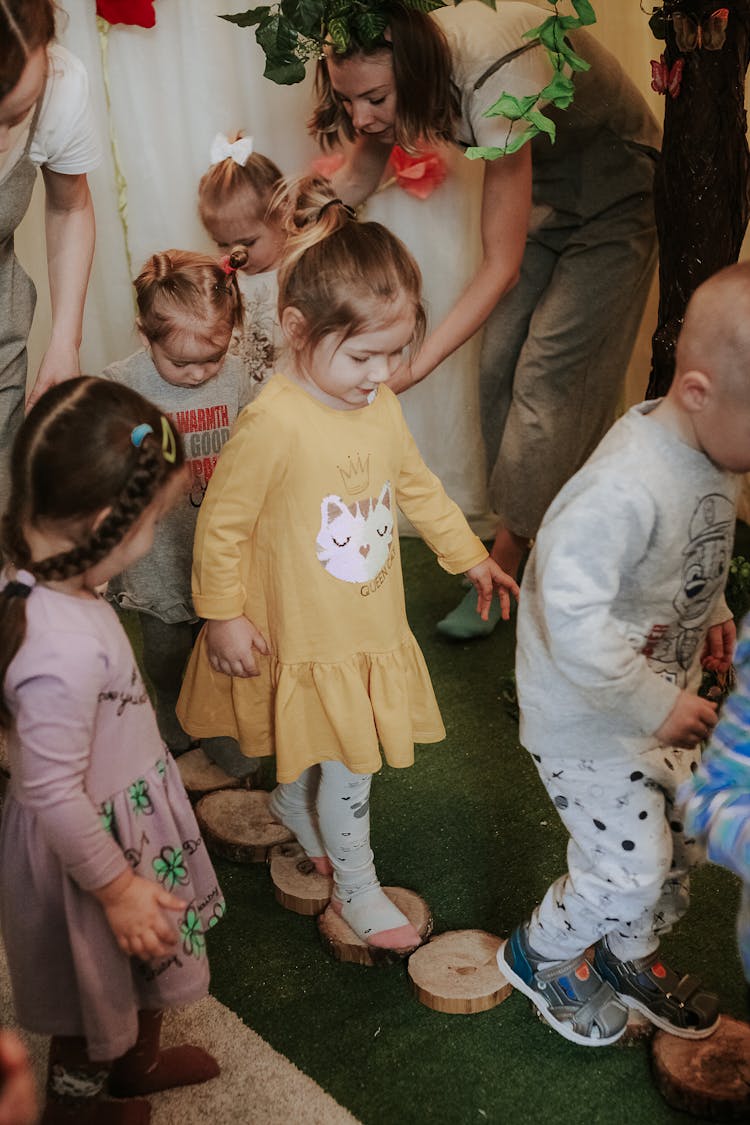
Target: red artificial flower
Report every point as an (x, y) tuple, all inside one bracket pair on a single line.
[(140, 12), (418, 175), (664, 80)]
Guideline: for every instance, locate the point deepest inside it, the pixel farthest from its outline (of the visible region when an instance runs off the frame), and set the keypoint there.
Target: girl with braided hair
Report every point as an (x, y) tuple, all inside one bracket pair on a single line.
[(106, 891)]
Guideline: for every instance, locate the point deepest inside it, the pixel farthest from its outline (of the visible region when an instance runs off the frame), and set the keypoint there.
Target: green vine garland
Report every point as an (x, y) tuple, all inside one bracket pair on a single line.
[(291, 32), (559, 92)]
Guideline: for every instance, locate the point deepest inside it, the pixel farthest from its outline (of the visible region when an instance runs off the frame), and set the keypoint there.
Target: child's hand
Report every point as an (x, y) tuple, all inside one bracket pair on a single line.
[(690, 721), (17, 1093), (488, 576), (230, 645), (135, 911), (719, 647)]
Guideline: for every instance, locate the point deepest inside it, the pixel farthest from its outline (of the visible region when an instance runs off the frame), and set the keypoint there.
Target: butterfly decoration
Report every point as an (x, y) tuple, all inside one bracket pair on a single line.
[(708, 31), (666, 79)]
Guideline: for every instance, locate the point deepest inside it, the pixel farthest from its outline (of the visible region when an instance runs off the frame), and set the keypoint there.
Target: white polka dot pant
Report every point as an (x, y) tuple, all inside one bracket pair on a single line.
[(628, 856)]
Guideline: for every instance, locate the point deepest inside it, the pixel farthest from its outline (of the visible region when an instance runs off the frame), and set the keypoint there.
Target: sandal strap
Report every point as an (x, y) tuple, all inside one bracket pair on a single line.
[(685, 990), (593, 1009), (559, 969)]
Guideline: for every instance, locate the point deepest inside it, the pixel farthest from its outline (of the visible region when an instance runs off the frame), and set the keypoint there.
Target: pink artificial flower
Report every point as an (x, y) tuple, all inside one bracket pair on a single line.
[(328, 164), (665, 80), (140, 12), (418, 175)]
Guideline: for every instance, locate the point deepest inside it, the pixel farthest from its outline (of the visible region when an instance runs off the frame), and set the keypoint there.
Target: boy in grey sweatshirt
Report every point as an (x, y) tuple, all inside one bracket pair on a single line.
[(622, 602)]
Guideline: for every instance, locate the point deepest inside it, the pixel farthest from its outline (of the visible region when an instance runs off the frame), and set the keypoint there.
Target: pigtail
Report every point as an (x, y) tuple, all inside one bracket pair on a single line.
[(178, 285), (310, 212), (337, 272)]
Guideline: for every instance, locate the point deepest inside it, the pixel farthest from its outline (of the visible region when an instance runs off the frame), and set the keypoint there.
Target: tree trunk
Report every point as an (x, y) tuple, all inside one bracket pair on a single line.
[(701, 189)]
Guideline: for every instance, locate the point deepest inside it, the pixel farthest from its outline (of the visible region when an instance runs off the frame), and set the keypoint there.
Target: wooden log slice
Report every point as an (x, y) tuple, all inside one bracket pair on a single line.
[(706, 1077), (297, 885), (200, 775), (639, 1029), (237, 825), (344, 945), (458, 972)]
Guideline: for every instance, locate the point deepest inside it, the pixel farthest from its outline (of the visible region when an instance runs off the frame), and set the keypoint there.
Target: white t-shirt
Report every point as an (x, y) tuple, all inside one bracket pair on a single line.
[(65, 139), (478, 36)]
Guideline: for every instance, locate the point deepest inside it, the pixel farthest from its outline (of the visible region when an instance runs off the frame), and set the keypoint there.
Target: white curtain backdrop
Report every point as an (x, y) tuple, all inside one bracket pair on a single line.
[(172, 88)]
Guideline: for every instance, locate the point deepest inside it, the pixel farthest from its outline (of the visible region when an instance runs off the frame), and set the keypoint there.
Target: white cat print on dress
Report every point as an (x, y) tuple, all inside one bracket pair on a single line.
[(354, 539)]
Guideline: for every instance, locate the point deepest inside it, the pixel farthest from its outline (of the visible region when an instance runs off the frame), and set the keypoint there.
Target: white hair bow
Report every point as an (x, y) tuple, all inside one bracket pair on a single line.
[(239, 150)]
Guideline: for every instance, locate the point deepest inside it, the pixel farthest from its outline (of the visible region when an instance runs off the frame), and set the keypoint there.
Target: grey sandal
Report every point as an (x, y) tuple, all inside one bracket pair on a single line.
[(679, 1005), (569, 995)]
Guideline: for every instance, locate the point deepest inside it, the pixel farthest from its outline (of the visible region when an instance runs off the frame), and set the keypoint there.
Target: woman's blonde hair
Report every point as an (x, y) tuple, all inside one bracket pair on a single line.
[(178, 286), (427, 105), (228, 182), (337, 272)]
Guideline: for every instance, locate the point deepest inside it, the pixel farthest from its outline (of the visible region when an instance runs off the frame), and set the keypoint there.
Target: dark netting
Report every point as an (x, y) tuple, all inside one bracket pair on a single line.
[(701, 190)]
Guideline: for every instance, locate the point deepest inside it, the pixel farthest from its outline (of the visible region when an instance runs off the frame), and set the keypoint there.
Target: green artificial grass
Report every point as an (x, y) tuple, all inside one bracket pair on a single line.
[(470, 827)]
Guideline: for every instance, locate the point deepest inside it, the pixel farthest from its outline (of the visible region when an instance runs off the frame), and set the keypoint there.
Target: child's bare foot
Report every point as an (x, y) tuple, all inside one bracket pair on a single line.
[(322, 864)]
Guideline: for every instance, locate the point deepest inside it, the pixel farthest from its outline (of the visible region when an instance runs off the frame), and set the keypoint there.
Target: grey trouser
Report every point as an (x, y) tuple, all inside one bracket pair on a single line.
[(555, 352)]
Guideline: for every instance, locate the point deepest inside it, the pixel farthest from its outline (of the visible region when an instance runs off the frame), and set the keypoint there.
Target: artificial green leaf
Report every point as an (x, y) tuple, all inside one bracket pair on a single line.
[(586, 13), (485, 153), (559, 91), (489, 3), (544, 124), (305, 15), (338, 32), (568, 22), (424, 5), (285, 73), (512, 108), (369, 26), (574, 61), (248, 18)]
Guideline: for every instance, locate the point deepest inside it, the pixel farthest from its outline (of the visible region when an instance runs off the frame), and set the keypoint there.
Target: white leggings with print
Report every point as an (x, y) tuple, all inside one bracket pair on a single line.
[(628, 855)]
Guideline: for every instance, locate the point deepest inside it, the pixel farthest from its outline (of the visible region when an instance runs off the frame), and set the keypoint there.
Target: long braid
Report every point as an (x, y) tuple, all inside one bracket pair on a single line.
[(140, 489)]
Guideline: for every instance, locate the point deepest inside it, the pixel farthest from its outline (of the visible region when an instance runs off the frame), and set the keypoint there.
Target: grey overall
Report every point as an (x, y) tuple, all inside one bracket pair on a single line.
[(17, 301)]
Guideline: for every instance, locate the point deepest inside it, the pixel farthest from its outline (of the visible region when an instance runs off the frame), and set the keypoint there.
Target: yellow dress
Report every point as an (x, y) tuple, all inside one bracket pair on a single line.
[(297, 532)]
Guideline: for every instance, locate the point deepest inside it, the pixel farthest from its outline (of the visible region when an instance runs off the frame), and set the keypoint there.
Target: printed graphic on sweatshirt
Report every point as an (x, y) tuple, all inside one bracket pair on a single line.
[(204, 432), (354, 540), (254, 345), (705, 562)]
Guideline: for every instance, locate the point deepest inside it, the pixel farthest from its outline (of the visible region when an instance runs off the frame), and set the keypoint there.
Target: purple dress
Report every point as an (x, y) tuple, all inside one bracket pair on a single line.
[(92, 790)]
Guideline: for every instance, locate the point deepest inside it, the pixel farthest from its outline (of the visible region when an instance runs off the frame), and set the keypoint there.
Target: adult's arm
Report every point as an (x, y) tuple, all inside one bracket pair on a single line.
[(506, 204), (362, 170), (70, 235)]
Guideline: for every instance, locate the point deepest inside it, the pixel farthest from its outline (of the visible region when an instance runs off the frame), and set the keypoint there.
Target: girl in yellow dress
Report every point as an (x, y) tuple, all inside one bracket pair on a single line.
[(307, 652)]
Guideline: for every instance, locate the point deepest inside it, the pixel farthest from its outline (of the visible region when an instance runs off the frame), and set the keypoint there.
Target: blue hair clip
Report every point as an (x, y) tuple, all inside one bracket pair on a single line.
[(138, 433)]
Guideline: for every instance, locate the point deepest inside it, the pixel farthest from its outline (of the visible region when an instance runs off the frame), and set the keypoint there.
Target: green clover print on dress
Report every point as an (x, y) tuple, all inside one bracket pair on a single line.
[(107, 817), (139, 798), (193, 941), (169, 868), (218, 913)]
